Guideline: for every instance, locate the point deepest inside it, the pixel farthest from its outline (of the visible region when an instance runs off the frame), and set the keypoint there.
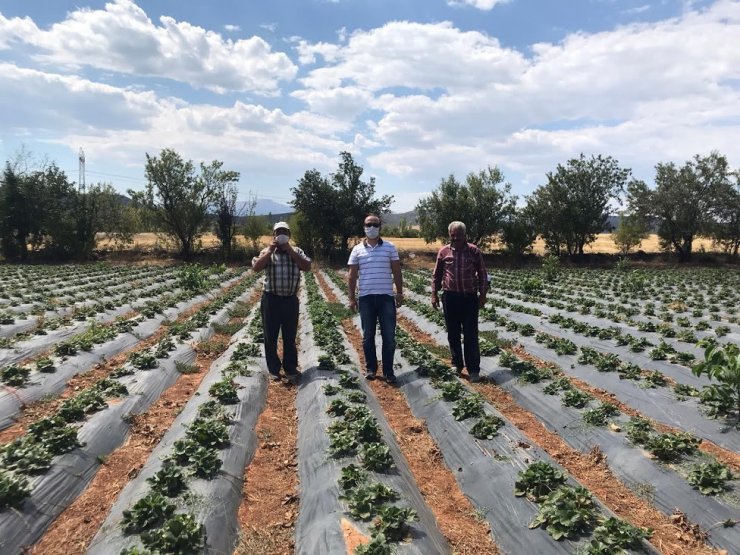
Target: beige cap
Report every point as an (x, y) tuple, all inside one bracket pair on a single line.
[(281, 225)]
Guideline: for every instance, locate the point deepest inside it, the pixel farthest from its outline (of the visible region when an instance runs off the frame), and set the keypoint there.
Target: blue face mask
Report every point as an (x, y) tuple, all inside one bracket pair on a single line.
[(372, 232)]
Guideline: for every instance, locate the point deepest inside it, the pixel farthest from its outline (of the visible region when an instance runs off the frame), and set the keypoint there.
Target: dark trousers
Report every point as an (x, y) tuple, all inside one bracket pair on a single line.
[(280, 314), (376, 309), (461, 314)]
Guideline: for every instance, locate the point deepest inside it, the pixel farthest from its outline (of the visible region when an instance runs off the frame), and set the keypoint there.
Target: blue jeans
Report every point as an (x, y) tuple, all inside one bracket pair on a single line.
[(382, 309)]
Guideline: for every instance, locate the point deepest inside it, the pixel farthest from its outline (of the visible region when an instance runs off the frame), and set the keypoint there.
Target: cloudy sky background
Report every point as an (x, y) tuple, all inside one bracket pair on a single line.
[(415, 89)]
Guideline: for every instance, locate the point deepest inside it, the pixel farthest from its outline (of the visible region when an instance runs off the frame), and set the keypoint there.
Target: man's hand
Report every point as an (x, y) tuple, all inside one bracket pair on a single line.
[(273, 246), (353, 303), (435, 301), (399, 300), (482, 301)]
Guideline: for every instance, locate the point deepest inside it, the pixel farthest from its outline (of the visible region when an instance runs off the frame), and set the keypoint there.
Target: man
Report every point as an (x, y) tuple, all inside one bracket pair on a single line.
[(460, 274), (283, 264), (379, 267)]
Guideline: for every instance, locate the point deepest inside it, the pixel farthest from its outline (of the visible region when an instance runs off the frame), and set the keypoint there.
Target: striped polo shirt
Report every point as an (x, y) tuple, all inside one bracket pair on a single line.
[(374, 264)]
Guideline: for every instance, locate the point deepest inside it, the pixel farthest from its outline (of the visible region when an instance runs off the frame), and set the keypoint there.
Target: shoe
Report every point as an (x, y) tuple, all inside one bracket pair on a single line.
[(457, 370), (475, 378), (274, 377), (294, 379), (370, 376), (391, 380)]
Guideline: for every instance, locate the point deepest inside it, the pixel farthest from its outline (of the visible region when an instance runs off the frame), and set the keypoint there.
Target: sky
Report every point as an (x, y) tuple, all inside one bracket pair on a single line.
[(416, 90)]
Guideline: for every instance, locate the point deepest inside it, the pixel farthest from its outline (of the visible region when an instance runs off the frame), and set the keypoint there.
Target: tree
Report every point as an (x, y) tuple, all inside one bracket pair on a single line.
[(227, 215), (254, 226), (725, 228), (629, 234), (179, 199), (518, 232), (333, 209), (14, 216), (683, 201), (480, 203), (572, 208)]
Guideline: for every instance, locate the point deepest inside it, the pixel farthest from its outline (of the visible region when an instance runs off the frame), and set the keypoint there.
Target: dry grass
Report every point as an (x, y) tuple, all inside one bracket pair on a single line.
[(603, 244)]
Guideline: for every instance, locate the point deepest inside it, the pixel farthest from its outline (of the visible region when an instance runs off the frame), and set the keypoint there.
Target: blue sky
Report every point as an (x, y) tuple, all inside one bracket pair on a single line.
[(416, 90)]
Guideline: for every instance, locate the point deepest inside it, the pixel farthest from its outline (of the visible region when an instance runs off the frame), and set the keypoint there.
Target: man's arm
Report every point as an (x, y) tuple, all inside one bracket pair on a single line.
[(482, 279), (303, 263), (352, 285), (261, 262), (398, 280)]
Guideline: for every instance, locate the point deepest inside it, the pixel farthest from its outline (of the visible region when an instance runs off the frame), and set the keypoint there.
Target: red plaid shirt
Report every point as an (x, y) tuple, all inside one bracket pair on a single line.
[(460, 270)]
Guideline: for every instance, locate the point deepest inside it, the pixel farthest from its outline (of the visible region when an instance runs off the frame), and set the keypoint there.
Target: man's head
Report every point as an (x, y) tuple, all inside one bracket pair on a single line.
[(372, 226), (457, 232), (281, 229)]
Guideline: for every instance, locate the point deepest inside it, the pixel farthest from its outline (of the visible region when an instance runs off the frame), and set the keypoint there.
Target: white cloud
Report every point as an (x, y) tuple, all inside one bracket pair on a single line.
[(638, 9), (122, 38), (485, 5), (232, 28)]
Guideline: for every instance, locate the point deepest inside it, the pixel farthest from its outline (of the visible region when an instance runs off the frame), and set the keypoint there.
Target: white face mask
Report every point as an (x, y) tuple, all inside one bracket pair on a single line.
[(282, 239), (372, 232)]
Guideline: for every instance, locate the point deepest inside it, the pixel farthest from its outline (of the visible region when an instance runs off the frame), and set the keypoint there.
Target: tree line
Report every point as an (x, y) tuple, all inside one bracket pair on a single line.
[(42, 210)]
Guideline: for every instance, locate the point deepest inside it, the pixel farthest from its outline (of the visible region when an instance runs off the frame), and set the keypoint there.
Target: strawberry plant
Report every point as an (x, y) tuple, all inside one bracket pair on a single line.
[(566, 512), (148, 512), (538, 481), (654, 379), (13, 489), (337, 407), (15, 375), (205, 462), (376, 456), (181, 534), (723, 365), (671, 447), (468, 407), (143, 360), (45, 365), (331, 389), (709, 478), (598, 416), (213, 410), (576, 398), (352, 476), (348, 381), (86, 402), (225, 391), (169, 480), (452, 391), (487, 427), (355, 396), (342, 443), (182, 450), (557, 385), (613, 536), (377, 546), (245, 351), (364, 500), (683, 390), (638, 430), (208, 433), (26, 455), (366, 430), (629, 371), (393, 522)]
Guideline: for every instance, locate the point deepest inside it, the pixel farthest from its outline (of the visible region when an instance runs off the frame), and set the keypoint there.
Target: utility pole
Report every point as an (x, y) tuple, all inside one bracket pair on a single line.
[(82, 171)]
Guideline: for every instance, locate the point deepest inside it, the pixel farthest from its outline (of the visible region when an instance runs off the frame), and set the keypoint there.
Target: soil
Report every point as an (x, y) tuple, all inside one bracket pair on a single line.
[(75, 527), (592, 471), (269, 505), (455, 514)]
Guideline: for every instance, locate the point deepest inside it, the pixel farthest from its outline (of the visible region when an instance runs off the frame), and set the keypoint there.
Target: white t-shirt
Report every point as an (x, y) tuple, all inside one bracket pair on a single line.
[(374, 265)]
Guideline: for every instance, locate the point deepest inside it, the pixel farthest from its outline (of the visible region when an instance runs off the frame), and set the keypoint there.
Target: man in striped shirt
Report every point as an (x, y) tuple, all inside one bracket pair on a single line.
[(283, 264), (379, 266), (460, 274)]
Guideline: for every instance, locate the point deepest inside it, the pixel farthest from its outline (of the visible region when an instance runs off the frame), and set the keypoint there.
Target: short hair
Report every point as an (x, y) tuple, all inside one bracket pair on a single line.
[(380, 220), (456, 225)]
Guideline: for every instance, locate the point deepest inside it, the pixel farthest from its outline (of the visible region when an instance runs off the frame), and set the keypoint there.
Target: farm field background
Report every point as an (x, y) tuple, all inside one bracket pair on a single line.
[(136, 416), (603, 244)]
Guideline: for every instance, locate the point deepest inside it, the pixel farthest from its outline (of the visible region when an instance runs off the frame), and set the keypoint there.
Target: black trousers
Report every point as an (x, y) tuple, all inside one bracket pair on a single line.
[(280, 314), (461, 315)]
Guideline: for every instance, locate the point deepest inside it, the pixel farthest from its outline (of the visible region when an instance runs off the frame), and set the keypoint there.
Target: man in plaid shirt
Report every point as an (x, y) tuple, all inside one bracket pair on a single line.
[(283, 264), (460, 274)]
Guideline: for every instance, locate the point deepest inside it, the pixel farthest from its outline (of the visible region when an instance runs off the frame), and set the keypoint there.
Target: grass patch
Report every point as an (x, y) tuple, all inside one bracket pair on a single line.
[(228, 329)]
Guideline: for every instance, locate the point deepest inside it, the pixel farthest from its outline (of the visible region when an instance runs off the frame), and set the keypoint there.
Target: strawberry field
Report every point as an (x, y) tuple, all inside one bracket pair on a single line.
[(136, 416)]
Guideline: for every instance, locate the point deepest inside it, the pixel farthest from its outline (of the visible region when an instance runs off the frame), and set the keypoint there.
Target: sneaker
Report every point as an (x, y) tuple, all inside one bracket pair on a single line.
[(457, 370), (391, 380), (274, 377), (295, 379), (369, 375), (475, 378)]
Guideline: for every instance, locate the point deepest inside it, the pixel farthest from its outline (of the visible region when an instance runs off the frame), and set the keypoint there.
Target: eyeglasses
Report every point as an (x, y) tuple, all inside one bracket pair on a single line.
[(372, 224)]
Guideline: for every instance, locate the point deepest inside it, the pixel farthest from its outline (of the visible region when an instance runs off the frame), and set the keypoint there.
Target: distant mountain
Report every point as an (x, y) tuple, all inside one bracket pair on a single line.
[(266, 206), (393, 219)]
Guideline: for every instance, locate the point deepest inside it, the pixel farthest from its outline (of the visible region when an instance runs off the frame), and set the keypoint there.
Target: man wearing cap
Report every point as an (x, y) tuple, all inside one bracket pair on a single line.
[(283, 264), (379, 266)]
